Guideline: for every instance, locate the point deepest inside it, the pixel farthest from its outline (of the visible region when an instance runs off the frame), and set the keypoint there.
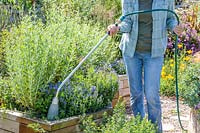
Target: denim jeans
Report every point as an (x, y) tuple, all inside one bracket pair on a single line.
[(149, 87)]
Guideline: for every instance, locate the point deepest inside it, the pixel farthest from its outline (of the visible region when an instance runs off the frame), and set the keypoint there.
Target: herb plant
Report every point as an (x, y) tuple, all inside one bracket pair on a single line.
[(39, 56), (190, 85), (119, 123)]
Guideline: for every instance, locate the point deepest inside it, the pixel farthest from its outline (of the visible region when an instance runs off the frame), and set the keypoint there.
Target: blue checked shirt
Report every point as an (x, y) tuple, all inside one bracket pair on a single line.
[(162, 21)]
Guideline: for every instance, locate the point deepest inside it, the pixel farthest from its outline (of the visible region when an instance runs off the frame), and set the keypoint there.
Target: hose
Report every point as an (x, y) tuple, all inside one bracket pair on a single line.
[(176, 53)]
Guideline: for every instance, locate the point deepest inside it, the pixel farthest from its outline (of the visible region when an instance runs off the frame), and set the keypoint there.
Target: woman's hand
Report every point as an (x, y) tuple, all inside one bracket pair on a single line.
[(178, 29), (112, 29)]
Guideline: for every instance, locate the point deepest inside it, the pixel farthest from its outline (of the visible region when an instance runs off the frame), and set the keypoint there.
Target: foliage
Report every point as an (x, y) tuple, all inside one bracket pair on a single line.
[(5, 94), (101, 11), (39, 56), (188, 45), (190, 38), (36, 127), (119, 67), (22, 4), (167, 85), (190, 85), (119, 123)]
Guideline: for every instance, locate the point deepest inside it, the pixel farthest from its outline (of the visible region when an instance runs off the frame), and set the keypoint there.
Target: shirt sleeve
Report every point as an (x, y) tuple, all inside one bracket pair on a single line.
[(171, 19), (126, 25)]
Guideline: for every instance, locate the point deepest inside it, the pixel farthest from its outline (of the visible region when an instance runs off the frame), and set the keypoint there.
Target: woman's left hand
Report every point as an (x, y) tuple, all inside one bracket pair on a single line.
[(178, 29)]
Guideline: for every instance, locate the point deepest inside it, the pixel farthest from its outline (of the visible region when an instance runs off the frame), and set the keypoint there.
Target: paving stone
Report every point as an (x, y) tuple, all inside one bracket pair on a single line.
[(181, 117), (168, 127)]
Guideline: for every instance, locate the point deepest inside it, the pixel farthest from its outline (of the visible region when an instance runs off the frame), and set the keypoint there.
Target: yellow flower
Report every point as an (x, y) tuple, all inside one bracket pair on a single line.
[(163, 74), (171, 60), (180, 46), (189, 51), (170, 76), (187, 58), (171, 65), (182, 67), (163, 68)]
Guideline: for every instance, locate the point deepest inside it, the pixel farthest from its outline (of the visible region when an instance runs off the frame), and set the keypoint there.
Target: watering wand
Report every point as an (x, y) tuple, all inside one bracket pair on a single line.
[(54, 107)]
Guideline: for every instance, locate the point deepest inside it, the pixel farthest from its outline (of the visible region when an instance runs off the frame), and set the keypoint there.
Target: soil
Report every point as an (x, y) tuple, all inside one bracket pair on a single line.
[(169, 115)]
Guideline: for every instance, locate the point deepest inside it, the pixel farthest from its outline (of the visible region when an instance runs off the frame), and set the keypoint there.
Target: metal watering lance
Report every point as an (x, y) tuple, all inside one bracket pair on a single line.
[(54, 107)]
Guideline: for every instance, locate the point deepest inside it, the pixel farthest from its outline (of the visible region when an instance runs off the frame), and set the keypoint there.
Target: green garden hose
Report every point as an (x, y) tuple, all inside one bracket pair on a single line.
[(53, 110)]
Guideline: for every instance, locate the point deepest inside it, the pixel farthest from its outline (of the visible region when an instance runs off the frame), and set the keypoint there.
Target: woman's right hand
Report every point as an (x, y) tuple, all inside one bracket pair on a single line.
[(112, 29)]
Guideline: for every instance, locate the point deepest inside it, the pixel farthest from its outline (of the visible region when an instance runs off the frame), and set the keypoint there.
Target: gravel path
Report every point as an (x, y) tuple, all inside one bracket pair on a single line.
[(169, 115)]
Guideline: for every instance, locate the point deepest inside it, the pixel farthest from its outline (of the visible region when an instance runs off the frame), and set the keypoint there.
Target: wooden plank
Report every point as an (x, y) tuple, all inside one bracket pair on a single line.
[(4, 131), (124, 92), (122, 77), (46, 125), (126, 100), (121, 84), (126, 85), (99, 114), (116, 95), (72, 121), (71, 129), (9, 125), (11, 115), (26, 121), (114, 102), (65, 123), (24, 129)]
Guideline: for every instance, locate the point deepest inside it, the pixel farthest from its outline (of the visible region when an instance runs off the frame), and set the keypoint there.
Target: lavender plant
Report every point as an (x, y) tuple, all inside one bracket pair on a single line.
[(39, 56)]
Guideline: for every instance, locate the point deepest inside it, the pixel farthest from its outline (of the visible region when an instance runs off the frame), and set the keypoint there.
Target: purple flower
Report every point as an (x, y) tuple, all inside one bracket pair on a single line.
[(57, 85), (63, 101), (169, 39), (197, 107), (187, 37), (187, 45), (170, 45), (51, 86), (179, 40), (93, 89)]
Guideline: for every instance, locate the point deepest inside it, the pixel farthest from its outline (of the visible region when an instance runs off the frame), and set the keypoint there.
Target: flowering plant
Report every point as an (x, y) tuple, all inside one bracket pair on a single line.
[(190, 86), (188, 45), (39, 56), (168, 71)]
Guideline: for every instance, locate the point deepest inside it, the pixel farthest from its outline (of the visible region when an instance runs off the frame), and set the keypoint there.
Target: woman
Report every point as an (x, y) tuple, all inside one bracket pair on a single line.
[(143, 45)]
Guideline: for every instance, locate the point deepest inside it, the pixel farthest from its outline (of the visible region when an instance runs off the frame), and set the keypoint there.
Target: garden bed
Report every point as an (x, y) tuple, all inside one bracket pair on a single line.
[(15, 122)]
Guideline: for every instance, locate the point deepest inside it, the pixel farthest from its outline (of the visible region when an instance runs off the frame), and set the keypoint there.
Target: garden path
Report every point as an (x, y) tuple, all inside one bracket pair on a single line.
[(169, 115)]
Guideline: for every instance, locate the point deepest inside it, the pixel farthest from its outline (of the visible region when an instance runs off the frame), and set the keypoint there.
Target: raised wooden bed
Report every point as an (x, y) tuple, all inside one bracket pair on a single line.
[(194, 123), (123, 92), (14, 122)]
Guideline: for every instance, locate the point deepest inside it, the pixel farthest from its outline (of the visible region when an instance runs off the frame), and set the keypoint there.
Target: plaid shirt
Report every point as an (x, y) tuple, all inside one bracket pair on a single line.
[(162, 21)]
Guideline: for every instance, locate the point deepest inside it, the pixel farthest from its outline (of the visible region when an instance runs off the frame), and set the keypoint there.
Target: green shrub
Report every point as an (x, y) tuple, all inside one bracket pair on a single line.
[(119, 123), (190, 85), (167, 85), (39, 56)]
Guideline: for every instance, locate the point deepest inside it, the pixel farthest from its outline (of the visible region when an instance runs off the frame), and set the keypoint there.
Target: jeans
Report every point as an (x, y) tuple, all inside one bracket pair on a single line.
[(150, 86)]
